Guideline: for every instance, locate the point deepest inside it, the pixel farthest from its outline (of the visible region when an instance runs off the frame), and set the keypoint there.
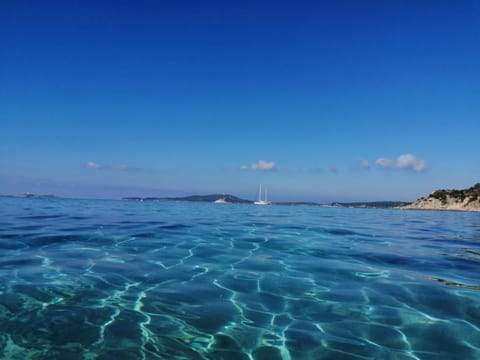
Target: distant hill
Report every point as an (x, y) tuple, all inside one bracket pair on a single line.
[(466, 199), (236, 200), (194, 198), (32, 196), (373, 204)]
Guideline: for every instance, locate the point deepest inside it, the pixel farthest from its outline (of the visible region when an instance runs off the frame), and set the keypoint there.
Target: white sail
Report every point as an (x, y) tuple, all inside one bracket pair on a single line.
[(260, 201)]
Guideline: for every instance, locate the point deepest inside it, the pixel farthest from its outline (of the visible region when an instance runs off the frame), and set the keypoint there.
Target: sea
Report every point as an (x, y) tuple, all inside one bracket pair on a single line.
[(104, 279)]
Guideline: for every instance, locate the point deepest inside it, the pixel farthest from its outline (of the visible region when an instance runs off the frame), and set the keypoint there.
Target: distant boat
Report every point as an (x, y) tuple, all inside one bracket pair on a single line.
[(260, 201), (221, 201)]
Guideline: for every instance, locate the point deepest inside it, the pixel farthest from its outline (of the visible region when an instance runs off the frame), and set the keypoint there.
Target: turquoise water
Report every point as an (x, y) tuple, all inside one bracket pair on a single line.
[(86, 279)]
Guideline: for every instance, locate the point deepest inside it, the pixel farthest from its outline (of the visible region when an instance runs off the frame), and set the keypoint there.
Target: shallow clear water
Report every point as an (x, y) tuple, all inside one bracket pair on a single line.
[(86, 279)]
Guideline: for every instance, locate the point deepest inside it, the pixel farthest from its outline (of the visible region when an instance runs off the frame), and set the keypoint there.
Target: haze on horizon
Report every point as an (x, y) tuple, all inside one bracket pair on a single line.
[(317, 100)]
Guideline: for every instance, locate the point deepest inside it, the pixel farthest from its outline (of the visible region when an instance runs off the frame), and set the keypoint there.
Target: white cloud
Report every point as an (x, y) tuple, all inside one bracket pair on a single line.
[(114, 167), (384, 162), (409, 161), (93, 165), (260, 165), (263, 165)]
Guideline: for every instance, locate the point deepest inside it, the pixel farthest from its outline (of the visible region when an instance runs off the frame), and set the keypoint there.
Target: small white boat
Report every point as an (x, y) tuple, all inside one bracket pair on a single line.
[(221, 201), (260, 201)]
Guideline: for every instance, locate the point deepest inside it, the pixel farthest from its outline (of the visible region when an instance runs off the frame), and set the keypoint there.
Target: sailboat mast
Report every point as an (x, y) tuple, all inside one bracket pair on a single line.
[(260, 193)]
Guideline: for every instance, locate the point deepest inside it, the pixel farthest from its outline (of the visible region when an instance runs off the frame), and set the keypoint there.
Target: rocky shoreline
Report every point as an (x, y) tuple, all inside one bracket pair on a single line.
[(460, 200)]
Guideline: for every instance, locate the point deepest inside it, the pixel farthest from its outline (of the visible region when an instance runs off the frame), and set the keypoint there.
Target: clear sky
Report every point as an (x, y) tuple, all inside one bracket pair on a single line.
[(316, 100)]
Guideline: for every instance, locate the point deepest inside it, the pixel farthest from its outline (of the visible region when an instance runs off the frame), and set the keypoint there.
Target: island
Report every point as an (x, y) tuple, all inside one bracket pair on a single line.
[(31, 196), (466, 200), (194, 198), (236, 200)]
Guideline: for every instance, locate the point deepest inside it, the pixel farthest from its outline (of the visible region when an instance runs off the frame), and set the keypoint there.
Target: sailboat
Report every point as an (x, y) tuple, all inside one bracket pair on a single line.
[(260, 201)]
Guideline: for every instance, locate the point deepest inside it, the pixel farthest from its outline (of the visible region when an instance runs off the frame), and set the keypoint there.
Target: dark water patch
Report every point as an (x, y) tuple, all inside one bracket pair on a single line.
[(227, 354), (213, 316), (301, 344), (37, 293), (11, 244), (389, 294), (28, 227), (13, 302), (20, 262), (40, 217), (79, 217), (12, 236), (438, 338), (107, 282), (60, 326), (127, 352), (447, 241), (257, 318), (175, 227), (462, 263), (148, 235), (470, 254), (288, 286), (435, 300), (386, 315), (271, 302), (267, 353), (207, 223), (308, 309), (390, 260), (294, 227), (282, 320), (239, 285), (39, 241), (341, 232), (225, 342)]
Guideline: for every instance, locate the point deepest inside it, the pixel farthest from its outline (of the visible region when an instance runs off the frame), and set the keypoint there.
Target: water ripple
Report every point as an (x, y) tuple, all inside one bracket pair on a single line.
[(109, 279)]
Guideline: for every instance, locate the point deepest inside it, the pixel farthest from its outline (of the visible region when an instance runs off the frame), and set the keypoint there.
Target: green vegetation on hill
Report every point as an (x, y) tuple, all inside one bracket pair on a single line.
[(194, 198), (472, 193), (374, 204)]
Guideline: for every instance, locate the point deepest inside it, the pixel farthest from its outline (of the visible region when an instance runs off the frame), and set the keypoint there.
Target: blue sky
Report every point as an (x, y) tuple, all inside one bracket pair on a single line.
[(317, 100)]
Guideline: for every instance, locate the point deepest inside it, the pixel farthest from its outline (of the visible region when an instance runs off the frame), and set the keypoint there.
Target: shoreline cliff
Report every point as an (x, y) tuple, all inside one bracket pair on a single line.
[(462, 200)]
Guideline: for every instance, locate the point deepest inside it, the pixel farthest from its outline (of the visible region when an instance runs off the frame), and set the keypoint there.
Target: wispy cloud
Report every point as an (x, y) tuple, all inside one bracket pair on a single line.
[(92, 165), (260, 165), (114, 167), (384, 162), (409, 161)]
